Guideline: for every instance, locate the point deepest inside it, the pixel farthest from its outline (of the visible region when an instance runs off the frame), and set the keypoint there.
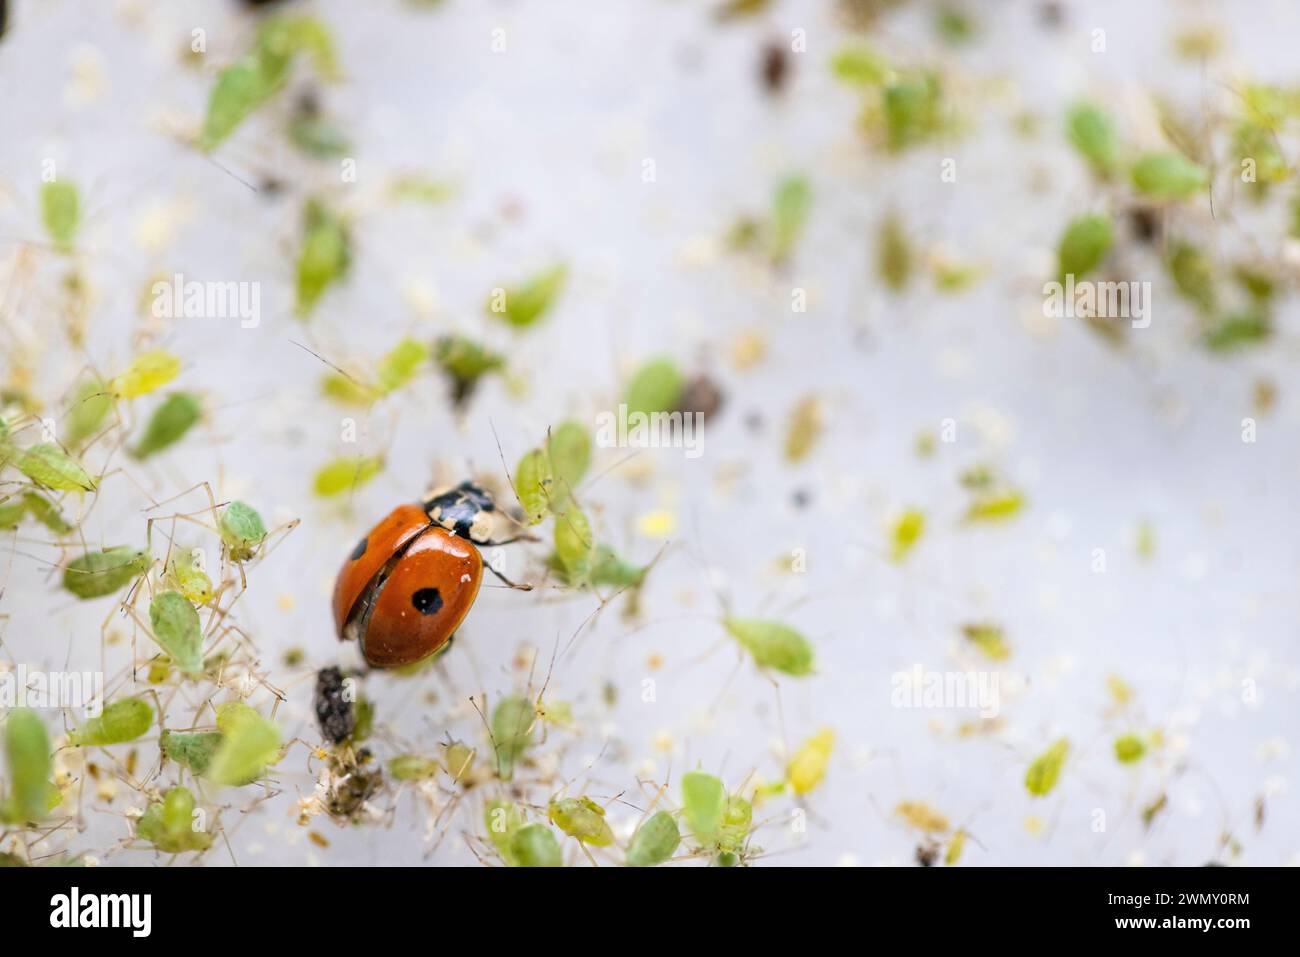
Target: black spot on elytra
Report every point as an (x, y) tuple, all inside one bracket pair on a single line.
[(427, 601), (361, 548)]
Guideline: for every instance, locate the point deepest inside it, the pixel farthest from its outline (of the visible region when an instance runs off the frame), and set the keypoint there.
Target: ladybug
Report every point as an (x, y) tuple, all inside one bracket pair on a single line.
[(409, 584)]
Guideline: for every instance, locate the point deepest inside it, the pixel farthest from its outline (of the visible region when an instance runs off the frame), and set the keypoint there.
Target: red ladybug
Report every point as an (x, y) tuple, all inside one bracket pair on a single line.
[(409, 584)]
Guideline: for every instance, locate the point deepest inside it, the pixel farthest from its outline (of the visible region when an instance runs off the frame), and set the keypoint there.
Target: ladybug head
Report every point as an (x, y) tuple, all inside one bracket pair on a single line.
[(465, 510)]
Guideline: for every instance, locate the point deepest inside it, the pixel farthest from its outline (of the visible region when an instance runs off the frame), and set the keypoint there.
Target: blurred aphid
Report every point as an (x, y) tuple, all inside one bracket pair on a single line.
[(193, 749), (100, 573), (90, 406), (569, 448), (1193, 275), (344, 475), (995, 506), (334, 711), (412, 767), (148, 372), (951, 276), (912, 111), (574, 545), (533, 484), (419, 189), (61, 213), (1169, 176), (657, 387), (1045, 770), (242, 530), (803, 428), (734, 9), (1150, 811), (1121, 692), (250, 743), (1083, 246), (956, 844), (654, 842), (808, 766), (954, 25), (790, 207), (365, 722), (989, 638), (774, 68), (1129, 749), (704, 803), (177, 630), (313, 133), (37, 506), (50, 467), (323, 259), (170, 825), (1237, 330), (1145, 543), (583, 819), (27, 754), (459, 760), (465, 362), (860, 66), (523, 305), (773, 645), (1145, 223), (252, 80), (701, 396), (921, 816), (894, 257), (400, 364), (927, 853), (906, 532), (608, 569), (1199, 42), (119, 722), (169, 423), (1093, 135), (502, 819), (513, 723), (1264, 395), (534, 845)]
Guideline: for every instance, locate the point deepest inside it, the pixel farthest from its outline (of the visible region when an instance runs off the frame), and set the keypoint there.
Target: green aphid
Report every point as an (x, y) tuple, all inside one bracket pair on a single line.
[(48, 465), (27, 753), (412, 767), (737, 819), (1045, 769), (1193, 274), (458, 759), (365, 720), (323, 259), (61, 213), (401, 364), (569, 450), (607, 568), (912, 111), (33, 504), (654, 841), (171, 826), (859, 66), (96, 574), (989, 638), (169, 423), (1093, 135), (250, 744), (465, 362), (118, 723), (1083, 246), (790, 207), (513, 725), (574, 545), (1237, 330), (704, 805), (177, 630), (1169, 176), (1129, 749), (242, 530), (534, 482), (534, 845), (502, 820), (346, 475), (523, 305), (895, 260), (90, 407), (192, 749), (773, 645), (657, 387), (907, 531), (995, 506), (581, 818), (185, 576)]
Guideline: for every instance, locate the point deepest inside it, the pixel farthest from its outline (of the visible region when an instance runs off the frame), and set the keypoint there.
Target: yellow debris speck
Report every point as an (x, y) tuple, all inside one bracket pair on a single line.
[(657, 524)]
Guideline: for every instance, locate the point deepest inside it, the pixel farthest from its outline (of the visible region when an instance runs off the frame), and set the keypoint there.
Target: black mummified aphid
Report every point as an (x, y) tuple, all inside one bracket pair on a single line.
[(334, 710)]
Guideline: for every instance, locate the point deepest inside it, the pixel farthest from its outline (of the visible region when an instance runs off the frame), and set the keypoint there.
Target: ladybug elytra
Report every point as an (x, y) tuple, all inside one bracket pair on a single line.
[(411, 581)]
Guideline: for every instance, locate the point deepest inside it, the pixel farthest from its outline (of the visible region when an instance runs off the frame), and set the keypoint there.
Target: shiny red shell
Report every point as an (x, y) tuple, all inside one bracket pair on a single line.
[(406, 588)]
